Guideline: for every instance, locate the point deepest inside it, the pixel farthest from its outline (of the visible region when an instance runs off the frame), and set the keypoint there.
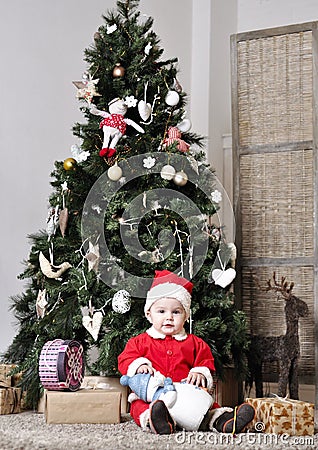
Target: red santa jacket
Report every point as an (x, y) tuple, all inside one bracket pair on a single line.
[(173, 356)]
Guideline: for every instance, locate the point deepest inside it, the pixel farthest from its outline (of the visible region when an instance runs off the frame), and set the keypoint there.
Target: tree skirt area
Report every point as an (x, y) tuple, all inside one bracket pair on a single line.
[(29, 431)]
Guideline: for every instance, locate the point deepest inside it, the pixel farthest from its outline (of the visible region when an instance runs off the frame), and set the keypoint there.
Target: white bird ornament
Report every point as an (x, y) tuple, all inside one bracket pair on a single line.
[(50, 270)]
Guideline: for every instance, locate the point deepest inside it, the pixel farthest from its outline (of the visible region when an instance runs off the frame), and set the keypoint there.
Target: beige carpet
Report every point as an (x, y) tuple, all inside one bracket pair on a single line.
[(29, 431)]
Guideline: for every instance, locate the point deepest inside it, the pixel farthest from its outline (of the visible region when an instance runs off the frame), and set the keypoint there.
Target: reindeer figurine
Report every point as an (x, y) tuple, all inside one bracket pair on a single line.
[(285, 349)]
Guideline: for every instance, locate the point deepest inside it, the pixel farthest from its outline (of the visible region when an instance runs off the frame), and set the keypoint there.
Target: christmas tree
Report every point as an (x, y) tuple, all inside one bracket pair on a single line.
[(135, 196)]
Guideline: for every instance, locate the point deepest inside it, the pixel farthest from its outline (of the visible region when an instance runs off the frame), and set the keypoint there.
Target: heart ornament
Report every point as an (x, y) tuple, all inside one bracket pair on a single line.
[(144, 109), (223, 277), (93, 324)]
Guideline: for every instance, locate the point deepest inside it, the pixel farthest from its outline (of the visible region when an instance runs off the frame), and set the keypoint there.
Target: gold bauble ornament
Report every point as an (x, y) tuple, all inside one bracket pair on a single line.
[(118, 71), (69, 164), (180, 178)]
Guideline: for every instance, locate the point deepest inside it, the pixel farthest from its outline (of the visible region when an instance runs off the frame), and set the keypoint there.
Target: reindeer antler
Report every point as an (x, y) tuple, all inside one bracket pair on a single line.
[(281, 287)]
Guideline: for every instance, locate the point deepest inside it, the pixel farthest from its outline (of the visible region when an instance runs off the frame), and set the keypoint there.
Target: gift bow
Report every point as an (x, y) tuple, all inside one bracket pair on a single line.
[(294, 409), (96, 385)]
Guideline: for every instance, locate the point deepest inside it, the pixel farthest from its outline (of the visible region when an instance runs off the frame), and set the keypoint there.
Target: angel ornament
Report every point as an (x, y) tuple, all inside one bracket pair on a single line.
[(114, 125), (41, 303), (52, 221)]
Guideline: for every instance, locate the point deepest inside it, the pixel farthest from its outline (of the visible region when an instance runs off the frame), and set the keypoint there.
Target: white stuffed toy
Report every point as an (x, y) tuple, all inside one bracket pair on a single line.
[(191, 405), (187, 404), (113, 125), (149, 387)]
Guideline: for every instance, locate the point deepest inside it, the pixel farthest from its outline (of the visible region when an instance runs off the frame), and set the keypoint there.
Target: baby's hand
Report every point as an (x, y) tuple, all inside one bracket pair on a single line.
[(196, 378), (144, 368)]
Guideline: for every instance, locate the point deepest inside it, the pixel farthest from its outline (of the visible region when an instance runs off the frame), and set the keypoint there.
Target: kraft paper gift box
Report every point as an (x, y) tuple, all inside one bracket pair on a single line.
[(41, 402), (108, 383), (279, 416), (10, 400), (83, 406), (5, 378)]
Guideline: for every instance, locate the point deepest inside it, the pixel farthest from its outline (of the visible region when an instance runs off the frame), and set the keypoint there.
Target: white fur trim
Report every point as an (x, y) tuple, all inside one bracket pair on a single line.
[(144, 419), (157, 335), (206, 372), (170, 290), (132, 397), (133, 367), (216, 413)]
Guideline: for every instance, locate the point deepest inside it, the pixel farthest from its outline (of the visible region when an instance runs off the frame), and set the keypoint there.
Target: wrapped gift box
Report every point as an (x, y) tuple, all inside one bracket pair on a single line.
[(41, 403), (108, 383), (280, 416), (10, 400), (5, 378), (83, 406), (16, 379)]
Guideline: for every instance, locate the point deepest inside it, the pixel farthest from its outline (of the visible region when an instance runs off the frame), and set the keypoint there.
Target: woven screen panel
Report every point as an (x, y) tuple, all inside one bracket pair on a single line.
[(276, 199), (265, 312), (275, 89)]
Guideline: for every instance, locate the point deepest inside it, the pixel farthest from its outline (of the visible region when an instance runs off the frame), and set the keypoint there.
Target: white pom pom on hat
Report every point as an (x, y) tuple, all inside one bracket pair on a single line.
[(168, 284)]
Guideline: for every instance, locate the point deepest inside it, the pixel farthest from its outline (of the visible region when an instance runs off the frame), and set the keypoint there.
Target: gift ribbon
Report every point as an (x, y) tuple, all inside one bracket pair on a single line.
[(294, 409), (234, 420), (96, 385)]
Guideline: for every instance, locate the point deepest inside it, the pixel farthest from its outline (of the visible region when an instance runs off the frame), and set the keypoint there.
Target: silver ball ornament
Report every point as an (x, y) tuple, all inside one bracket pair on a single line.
[(121, 301), (114, 173), (180, 178), (184, 125), (167, 172)]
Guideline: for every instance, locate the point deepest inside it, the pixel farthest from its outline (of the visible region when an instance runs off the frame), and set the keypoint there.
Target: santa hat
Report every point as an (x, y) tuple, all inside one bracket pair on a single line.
[(150, 387), (168, 284), (138, 384)]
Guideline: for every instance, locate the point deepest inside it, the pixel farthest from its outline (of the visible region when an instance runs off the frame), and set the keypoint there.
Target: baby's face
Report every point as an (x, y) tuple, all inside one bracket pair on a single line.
[(167, 316)]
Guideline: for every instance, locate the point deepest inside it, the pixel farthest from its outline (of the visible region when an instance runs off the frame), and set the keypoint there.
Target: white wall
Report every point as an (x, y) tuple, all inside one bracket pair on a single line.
[(42, 45), (223, 24), (258, 14)]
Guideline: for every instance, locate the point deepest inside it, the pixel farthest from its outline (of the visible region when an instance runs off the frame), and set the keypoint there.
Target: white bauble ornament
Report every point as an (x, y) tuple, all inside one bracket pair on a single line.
[(114, 173), (167, 172), (180, 178), (184, 125), (121, 301), (172, 98)]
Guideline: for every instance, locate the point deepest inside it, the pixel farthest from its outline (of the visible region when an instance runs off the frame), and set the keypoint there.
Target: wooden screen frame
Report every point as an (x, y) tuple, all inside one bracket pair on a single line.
[(237, 152)]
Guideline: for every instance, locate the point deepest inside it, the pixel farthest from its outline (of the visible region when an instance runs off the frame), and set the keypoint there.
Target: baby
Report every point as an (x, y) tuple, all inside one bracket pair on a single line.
[(185, 358)]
